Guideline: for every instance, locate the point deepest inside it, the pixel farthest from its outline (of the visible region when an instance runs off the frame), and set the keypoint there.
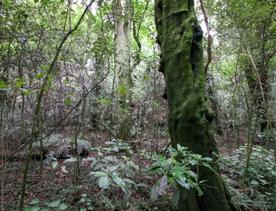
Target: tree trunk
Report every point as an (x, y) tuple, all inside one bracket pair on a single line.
[(258, 87), (180, 36), (122, 12)]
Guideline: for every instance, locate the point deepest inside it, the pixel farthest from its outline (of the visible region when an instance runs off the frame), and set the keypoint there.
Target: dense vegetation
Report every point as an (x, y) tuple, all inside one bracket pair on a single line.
[(138, 105)]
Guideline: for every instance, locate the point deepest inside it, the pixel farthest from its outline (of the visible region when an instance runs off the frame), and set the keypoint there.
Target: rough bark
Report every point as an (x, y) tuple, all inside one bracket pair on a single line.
[(179, 37)]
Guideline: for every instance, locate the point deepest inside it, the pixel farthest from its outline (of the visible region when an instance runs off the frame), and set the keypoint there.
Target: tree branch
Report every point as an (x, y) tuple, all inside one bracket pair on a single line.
[(210, 39)]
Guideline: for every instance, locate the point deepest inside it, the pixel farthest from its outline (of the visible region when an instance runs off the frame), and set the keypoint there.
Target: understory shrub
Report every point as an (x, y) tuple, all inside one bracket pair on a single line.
[(257, 190)]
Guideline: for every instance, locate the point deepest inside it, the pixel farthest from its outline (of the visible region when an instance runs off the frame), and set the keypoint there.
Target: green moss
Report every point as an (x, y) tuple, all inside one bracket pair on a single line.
[(182, 64)]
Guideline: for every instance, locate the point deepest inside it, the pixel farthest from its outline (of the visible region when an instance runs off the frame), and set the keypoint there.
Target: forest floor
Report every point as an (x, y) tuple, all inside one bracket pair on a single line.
[(47, 184)]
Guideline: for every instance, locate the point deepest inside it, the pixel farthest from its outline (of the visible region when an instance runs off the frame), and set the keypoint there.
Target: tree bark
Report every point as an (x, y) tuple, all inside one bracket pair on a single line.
[(180, 36), (122, 13)]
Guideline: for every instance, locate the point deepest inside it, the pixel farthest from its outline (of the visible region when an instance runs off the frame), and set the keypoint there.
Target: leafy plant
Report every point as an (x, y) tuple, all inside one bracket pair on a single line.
[(113, 173), (37, 205), (105, 101), (85, 201), (3, 85), (179, 169), (115, 146), (260, 180)]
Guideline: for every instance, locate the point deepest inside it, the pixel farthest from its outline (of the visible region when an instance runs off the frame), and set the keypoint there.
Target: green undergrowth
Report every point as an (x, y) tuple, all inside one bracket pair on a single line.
[(123, 180), (258, 189)]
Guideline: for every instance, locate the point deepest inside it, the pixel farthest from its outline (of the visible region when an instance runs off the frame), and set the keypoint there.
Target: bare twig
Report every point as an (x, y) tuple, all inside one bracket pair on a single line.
[(210, 39), (60, 123), (36, 119)]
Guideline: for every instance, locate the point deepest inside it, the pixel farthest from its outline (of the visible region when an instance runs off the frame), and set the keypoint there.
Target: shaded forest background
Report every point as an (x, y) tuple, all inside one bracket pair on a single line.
[(84, 110)]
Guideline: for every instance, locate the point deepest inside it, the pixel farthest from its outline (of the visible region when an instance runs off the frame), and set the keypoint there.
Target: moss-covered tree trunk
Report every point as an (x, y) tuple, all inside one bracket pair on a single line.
[(179, 37)]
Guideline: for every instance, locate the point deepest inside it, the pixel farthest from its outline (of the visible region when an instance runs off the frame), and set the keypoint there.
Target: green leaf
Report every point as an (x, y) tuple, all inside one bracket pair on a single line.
[(31, 209), (7, 3), (155, 169), (129, 181), (104, 182), (71, 160), (133, 165), (122, 90), (3, 85), (118, 180), (113, 168), (26, 92), (104, 101), (146, 77), (19, 83), (193, 162), (192, 174), (35, 201), (182, 182), (53, 203), (199, 190), (98, 174), (63, 206), (64, 170), (84, 195), (67, 101), (39, 75), (254, 182), (54, 164), (207, 159), (82, 200)]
